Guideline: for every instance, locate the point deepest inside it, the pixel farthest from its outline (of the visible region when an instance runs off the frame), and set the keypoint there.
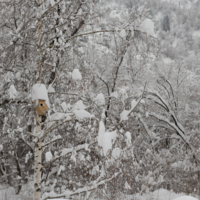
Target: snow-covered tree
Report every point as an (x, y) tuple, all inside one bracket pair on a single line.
[(50, 51)]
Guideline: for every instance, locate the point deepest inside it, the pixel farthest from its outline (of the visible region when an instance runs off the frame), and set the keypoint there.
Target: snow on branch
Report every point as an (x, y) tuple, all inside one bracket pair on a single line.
[(52, 141), (94, 185), (126, 113), (68, 151), (165, 105), (145, 126), (180, 133), (54, 126), (163, 102)]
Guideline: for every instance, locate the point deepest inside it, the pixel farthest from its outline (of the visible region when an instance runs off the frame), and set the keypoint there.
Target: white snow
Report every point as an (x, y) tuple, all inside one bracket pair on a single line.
[(106, 139), (64, 106), (52, 2), (79, 106), (160, 194), (127, 186), (186, 198), (100, 99), (51, 89), (123, 93), (196, 33), (82, 114), (62, 168), (122, 33), (18, 75), (1, 147), (116, 153), (147, 26), (73, 156), (76, 75), (128, 138), (58, 116), (124, 115), (114, 94), (39, 91), (133, 104), (168, 61), (48, 156), (13, 92)]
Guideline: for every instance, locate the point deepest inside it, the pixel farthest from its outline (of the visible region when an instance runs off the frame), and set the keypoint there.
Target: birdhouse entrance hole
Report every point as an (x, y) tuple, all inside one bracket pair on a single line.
[(41, 107)]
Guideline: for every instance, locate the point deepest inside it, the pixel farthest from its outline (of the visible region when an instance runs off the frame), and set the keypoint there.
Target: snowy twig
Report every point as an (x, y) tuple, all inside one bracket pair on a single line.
[(52, 127), (28, 133), (145, 126), (66, 151), (93, 186), (47, 144), (138, 101), (161, 118)]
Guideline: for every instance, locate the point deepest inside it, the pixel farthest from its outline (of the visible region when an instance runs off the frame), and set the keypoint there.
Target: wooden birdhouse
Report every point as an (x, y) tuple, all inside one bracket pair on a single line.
[(40, 98), (41, 107)]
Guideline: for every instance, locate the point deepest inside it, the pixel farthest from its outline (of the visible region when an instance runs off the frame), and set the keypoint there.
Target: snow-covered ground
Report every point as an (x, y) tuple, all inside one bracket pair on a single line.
[(160, 194), (8, 193)]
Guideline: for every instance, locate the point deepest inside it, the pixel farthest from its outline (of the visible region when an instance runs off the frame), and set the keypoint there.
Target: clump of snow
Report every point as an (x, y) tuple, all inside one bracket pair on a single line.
[(100, 100), (48, 156), (76, 75), (124, 115), (123, 93), (128, 138), (147, 26), (1, 147), (51, 89), (73, 156), (122, 33), (13, 92), (127, 186), (142, 101), (167, 61), (81, 157), (64, 106), (82, 114), (116, 153), (106, 139), (39, 91), (18, 75), (114, 94), (52, 2), (79, 106), (186, 198), (187, 108), (62, 168), (133, 104), (58, 116), (28, 156)]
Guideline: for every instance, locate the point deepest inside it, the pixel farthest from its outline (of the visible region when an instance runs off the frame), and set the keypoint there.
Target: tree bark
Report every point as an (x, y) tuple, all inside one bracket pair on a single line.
[(38, 144), (38, 163)]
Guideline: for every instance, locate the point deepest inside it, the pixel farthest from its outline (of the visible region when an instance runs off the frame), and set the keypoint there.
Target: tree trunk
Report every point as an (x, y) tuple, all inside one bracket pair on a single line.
[(38, 164), (38, 145)]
